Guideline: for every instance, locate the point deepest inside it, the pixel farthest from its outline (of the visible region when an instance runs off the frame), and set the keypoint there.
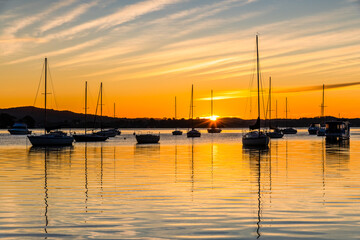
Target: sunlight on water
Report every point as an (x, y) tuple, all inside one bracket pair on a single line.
[(209, 188)]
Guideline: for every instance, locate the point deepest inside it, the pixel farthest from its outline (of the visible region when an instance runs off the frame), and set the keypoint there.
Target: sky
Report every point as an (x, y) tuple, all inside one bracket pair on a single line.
[(147, 52)]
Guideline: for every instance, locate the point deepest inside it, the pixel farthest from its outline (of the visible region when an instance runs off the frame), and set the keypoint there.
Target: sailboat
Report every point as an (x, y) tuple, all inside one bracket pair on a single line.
[(322, 129), (288, 130), (213, 128), (256, 138), (107, 132), (176, 131), (193, 132), (92, 137), (276, 133), (57, 138)]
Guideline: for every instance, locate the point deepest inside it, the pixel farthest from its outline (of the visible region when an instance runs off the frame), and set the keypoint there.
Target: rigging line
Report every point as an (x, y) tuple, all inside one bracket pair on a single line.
[(37, 92), (248, 100), (52, 87)]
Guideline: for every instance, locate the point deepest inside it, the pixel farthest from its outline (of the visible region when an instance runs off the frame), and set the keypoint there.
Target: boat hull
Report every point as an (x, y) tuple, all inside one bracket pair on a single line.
[(51, 140), (255, 139), (275, 134), (90, 138), (193, 133), (214, 130), (289, 131), (109, 133), (19, 132), (147, 138), (312, 131), (177, 132)]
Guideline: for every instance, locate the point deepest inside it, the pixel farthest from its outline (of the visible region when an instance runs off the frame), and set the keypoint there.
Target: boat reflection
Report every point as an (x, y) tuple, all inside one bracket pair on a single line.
[(338, 154), (147, 149), (258, 157)]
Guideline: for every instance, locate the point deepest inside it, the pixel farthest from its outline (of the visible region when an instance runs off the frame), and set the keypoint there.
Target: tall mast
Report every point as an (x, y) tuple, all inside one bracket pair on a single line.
[(45, 117), (276, 115), (323, 103), (286, 111), (175, 107), (101, 105), (270, 102), (258, 76), (85, 104), (212, 105), (192, 106)]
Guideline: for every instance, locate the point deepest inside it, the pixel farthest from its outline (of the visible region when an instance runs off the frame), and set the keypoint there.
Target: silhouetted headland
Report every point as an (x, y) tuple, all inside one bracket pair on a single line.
[(34, 117)]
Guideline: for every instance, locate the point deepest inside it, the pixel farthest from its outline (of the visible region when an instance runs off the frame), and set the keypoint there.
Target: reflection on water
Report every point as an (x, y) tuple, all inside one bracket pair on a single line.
[(299, 187)]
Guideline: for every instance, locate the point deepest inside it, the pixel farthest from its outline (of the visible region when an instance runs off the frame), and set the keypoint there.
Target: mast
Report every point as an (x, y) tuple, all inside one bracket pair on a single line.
[(323, 104), (286, 112), (45, 117), (101, 105), (192, 106), (175, 107), (212, 105), (258, 76), (114, 110), (270, 102), (276, 115), (85, 104)]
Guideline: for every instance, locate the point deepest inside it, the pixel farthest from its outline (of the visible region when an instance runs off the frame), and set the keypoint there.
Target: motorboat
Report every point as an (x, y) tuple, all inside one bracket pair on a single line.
[(321, 132), (214, 130), (256, 138), (313, 128), (276, 133), (337, 131), (147, 138), (289, 130), (193, 133), (57, 138), (177, 132), (19, 129)]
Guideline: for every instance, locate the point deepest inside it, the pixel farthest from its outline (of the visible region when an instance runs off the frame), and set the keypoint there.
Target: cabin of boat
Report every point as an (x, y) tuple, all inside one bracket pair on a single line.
[(337, 130), (313, 128), (19, 129)]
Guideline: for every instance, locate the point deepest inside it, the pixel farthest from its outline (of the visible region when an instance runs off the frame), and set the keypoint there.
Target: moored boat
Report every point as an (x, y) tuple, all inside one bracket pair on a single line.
[(193, 132), (337, 131), (57, 138), (19, 129), (213, 128), (256, 138), (313, 128), (147, 138), (176, 132)]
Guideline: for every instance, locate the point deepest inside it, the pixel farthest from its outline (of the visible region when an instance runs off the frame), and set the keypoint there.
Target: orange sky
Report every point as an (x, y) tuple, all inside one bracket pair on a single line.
[(147, 52)]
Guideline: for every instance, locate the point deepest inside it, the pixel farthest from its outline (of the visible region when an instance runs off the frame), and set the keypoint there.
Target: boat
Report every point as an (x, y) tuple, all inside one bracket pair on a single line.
[(256, 138), (213, 128), (314, 128), (288, 130), (276, 132), (147, 138), (112, 132), (176, 132), (57, 138), (88, 137), (193, 132), (19, 129), (337, 131), (322, 130)]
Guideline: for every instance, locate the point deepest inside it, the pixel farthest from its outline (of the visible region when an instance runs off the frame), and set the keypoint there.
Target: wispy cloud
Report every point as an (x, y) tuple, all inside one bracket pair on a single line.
[(68, 17)]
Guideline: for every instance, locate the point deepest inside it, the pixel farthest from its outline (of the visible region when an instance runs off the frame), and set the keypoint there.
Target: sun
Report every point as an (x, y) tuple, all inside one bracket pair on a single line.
[(213, 118)]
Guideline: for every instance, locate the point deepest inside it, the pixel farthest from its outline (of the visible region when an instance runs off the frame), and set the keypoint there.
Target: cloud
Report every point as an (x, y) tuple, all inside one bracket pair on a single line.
[(70, 16)]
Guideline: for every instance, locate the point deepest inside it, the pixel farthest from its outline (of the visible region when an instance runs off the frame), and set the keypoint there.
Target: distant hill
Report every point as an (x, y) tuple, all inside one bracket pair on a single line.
[(34, 117)]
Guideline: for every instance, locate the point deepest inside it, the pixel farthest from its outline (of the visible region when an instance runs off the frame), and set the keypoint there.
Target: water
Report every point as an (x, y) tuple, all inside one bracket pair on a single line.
[(209, 188)]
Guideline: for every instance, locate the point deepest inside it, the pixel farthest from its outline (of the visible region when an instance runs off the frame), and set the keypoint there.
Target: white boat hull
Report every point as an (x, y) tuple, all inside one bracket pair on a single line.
[(51, 140)]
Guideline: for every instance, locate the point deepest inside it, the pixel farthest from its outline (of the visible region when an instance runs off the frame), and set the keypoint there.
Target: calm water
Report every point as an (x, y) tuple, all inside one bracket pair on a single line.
[(210, 188)]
